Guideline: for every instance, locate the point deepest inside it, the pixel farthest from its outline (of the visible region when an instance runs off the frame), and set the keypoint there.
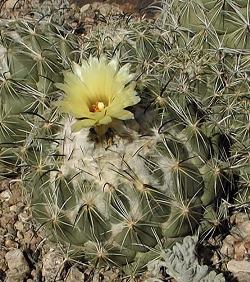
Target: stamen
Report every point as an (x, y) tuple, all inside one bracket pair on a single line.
[(100, 106), (97, 107)]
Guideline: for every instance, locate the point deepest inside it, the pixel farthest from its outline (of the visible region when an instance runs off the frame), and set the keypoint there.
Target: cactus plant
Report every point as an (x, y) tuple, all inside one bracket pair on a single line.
[(217, 23), (116, 176), (32, 57), (111, 191), (221, 28), (182, 264)]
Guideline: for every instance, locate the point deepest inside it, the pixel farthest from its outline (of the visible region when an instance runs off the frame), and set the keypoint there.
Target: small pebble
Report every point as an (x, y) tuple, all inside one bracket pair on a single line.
[(24, 217), (5, 195), (16, 261), (52, 263), (14, 208), (11, 230), (238, 266), (84, 8), (19, 226), (19, 235), (2, 231), (4, 185), (10, 244), (244, 228), (74, 275)]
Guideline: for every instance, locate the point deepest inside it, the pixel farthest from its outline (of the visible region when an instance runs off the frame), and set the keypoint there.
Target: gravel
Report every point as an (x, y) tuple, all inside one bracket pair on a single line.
[(235, 248), (25, 253)]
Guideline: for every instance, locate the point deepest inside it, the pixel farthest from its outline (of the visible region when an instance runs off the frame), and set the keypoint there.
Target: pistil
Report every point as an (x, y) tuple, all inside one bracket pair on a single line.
[(97, 107)]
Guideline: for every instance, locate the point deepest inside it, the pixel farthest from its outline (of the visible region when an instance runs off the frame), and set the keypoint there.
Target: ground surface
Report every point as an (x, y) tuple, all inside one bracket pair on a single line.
[(127, 5)]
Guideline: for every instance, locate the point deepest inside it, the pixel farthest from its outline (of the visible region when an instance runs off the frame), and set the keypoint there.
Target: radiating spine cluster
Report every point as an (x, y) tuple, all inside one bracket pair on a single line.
[(32, 57)]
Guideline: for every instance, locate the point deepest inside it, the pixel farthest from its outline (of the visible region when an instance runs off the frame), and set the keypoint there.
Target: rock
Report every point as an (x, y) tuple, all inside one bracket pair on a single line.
[(16, 194), (109, 275), (19, 235), (28, 236), (75, 275), (242, 277), (247, 244), (16, 260), (14, 208), (14, 276), (3, 265), (36, 274), (5, 195), (34, 242), (238, 266), (4, 185), (18, 266), (244, 228), (2, 231), (106, 9), (227, 248), (33, 273), (239, 218), (24, 216), (52, 263), (19, 226), (10, 244), (237, 245), (84, 8), (11, 230), (240, 250), (9, 4)]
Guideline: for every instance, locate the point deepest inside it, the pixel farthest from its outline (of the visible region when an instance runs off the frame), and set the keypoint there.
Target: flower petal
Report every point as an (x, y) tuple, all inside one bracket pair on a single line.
[(122, 114), (78, 125), (127, 97), (123, 74), (114, 63), (105, 120), (95, 82)]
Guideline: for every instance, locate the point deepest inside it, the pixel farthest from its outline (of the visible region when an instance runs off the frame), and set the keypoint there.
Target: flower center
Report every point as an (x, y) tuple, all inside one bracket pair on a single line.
[(97, 107)]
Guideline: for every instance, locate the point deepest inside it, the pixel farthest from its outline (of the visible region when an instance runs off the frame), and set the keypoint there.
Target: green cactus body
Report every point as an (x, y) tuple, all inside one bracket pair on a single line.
[(113, 203), (226, 20), (32, 57), (221, 28)]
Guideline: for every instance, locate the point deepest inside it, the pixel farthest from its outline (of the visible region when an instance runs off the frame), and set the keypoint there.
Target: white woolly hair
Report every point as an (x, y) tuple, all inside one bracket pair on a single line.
[(101, 164), (3, 61), (122, 165)]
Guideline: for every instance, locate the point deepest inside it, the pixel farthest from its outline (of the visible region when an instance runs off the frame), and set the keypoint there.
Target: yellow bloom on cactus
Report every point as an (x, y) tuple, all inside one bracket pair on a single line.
[(97, 92)]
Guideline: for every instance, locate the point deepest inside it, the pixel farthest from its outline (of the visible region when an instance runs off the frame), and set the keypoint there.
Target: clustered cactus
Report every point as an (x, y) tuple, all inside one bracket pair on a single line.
[(222, 29), (119, 176), (32, 57)]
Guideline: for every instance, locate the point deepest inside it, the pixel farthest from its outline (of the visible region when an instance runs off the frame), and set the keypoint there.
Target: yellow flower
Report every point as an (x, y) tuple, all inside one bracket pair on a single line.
[(97, 92)]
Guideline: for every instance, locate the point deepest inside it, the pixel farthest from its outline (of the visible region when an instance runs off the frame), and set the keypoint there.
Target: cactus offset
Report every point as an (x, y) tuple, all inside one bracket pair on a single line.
[(32, 57)]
